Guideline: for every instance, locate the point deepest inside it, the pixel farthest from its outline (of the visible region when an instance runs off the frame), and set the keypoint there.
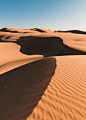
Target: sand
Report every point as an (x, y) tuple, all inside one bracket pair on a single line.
[(42, 74)]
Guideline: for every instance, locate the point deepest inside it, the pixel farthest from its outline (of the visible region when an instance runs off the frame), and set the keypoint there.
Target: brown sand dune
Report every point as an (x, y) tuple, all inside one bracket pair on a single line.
[(37, 88), (17, 63), (48, 89), (10, 52), (65, 96), (37, 46), (11, 57), (69, 45), (42, 30), (16, 30), (75, 41), (7, 36), (22, 88), (73, 31)]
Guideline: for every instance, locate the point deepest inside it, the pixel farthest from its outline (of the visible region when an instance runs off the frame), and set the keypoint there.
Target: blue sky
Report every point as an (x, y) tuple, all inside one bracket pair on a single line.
[(48, 14)]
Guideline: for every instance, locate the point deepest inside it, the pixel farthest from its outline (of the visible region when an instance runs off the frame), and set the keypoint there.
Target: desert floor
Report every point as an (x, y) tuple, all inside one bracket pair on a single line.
[(42, 74)]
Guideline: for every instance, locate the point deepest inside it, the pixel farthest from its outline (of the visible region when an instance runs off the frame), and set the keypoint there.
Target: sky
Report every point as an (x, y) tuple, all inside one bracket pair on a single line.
[(47, 14)]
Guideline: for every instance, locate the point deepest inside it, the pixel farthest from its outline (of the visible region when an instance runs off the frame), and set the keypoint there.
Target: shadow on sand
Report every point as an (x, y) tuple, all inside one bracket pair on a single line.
[(46, 46), (22, 88)]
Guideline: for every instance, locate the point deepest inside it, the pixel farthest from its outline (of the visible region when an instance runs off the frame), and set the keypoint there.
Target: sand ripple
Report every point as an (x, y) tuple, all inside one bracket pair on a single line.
[(65, 96)]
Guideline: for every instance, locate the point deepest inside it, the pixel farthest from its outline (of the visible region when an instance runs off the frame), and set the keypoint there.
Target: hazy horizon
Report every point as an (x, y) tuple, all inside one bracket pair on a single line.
[(47, 14)]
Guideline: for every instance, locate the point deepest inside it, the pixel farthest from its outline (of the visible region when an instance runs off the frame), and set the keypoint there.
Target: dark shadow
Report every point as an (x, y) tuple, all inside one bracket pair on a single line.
[(46, 46), (70, 51), (22, 88), (0, 38), (8, 37)]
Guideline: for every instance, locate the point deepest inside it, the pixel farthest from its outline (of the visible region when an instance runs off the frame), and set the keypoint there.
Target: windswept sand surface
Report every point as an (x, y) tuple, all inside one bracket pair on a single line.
[(42, 74)]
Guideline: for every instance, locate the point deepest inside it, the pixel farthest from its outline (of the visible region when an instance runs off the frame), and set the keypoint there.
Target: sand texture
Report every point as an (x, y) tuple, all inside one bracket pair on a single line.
[(42, 74)]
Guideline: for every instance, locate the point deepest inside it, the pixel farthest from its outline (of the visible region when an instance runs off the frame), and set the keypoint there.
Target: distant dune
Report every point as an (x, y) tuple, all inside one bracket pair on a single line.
[(15, 30), (73, 31), (42, 74)]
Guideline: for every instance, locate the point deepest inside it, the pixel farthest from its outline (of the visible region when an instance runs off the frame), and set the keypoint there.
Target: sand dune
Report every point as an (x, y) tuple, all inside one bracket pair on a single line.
[(42, 30), (17, 63), (43, 74), (65, 96), (22, 88), (15, 30), (74, 31)]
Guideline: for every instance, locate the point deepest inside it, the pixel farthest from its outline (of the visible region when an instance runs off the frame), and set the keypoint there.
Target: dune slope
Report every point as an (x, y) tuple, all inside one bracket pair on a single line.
[(22, 88), (65, 96)]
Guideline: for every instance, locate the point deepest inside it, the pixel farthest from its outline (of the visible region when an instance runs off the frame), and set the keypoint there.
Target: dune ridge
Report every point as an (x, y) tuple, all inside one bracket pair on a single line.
[(14, 64)]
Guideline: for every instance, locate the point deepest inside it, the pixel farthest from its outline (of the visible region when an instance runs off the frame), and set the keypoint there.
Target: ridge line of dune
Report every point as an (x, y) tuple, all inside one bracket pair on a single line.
[(17, 63)]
